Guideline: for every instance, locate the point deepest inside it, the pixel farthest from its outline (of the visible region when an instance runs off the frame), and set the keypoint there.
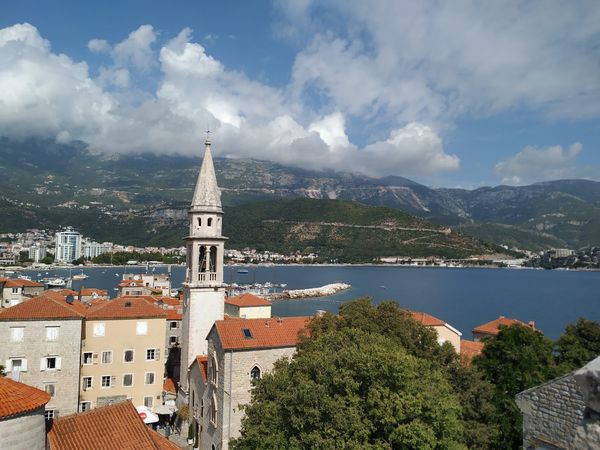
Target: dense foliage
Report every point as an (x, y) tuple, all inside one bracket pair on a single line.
[(579, 344), (368, 378)]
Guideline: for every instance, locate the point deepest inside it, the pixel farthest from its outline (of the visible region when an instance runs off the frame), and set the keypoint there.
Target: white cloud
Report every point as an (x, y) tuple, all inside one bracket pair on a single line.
[(51, 95), (434, 61), (99, 46), (540, 164)]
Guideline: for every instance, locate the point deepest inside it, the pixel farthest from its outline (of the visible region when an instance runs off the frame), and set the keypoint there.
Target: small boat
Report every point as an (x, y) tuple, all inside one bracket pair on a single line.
[(55, 282), (80, 276), (24, 277), (242, 271)]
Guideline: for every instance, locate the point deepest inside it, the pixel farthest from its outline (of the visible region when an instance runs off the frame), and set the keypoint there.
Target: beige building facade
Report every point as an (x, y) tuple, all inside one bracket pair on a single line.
[(123, 354)]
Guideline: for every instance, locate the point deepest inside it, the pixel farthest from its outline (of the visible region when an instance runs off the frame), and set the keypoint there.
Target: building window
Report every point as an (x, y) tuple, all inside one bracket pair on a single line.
[(172, 340), (87, 357), (255, 373), (85, 406), (149, 378), (50, 414), (106, 381), (201, 407), (213, 411), (141, 328), (148, 402), (15, 290), (209, 222), (152, 354), (50, 388), (128, 379), (50, 363), (214, 369), (199, 221), (52, 333), (87, 383), (17, 334), (173, 325), (17, 365), (107, 357), (99, 329), (128, 356)]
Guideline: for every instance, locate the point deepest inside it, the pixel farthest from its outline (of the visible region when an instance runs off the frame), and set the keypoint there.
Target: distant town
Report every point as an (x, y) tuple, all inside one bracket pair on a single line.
[(39, 247)]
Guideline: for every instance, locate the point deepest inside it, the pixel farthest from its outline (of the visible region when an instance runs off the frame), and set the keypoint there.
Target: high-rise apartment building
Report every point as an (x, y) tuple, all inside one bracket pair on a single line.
[(68, 246)]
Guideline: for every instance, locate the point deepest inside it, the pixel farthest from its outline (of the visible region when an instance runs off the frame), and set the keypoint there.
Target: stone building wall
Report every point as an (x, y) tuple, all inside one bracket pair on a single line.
[(24, 432), (551, 413), (34, 347), (233, 377)]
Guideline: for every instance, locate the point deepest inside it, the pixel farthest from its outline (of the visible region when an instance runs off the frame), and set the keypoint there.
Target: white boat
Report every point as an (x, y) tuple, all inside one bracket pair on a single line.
[(55, 282), (80, 276)]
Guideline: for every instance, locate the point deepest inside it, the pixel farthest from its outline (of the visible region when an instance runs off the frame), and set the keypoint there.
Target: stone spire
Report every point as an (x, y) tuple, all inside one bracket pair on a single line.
[(207, 196)]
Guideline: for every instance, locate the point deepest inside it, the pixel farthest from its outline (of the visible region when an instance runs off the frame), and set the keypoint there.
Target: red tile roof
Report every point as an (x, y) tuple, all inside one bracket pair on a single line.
[(169, 386), (470, 349), (18, 398), (116, 426), (131, 283), (265, 333), (493, 327), (173, 314), (49, 305), (125, 308), (246, 300), (202, 361), (427, 319), (92, 291), (19, 282), (65, 292)]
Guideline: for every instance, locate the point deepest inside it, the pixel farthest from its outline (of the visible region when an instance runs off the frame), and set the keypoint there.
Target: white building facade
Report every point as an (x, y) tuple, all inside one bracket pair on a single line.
[(68, 246)]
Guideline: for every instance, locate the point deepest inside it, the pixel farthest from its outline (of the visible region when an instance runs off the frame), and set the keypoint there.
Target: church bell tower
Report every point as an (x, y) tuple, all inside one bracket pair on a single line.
[(203, 288)]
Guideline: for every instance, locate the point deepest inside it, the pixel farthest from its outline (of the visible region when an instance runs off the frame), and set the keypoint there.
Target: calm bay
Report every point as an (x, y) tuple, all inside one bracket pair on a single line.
[(463, 297)]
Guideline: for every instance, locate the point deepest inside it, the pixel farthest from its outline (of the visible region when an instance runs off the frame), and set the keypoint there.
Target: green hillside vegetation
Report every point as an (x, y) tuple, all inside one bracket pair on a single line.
[(342, 230)]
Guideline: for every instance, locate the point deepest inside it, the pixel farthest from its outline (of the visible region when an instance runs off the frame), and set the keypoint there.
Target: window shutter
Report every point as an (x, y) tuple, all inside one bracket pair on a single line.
[(95, 358), (42, 364), (23, 365), (157, 354), (58, 362), (113, 381), (7, 365)]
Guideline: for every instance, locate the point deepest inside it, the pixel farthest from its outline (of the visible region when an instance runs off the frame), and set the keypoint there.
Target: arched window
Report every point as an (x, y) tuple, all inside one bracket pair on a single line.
[(214, 370), (213, 259), (209, 223), (199, 221), (201, 407), (213, 410), (202, 259), (255, 373)]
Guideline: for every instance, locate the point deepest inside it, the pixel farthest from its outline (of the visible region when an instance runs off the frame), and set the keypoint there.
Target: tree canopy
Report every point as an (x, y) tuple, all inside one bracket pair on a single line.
[(354, 390), (578, 345)]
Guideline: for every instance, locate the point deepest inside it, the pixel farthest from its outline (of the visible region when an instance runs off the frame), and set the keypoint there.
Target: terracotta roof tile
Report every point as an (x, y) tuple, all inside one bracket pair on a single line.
[(19, 282), (49, 305), (169, 386), (65, 292), (18, 398), (493, 327), (116, 426), (262, 333), (174, 314), (426, 319), (202, 361), (125, 308), (470, 349), (92, 291), (246, 300), (131, 283)]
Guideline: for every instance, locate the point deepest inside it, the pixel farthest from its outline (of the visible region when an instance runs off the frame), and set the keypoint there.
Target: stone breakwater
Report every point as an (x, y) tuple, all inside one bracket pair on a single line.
[(323, 291)]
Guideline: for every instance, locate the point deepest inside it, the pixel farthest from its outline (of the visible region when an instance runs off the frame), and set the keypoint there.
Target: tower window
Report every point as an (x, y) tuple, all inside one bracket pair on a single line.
[(255, 373), (199, 221), (210, 222)]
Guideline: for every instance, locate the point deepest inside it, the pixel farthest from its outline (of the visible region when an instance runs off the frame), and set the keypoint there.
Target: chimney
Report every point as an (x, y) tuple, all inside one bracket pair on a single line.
[(279, 320), (531, 323), (267, 324)]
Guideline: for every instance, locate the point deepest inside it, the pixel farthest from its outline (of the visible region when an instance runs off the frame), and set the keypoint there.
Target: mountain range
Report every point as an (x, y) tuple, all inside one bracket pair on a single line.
[(70, 180)]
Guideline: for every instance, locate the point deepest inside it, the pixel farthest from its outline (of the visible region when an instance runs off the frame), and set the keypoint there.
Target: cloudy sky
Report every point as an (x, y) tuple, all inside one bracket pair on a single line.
[(447, 93)]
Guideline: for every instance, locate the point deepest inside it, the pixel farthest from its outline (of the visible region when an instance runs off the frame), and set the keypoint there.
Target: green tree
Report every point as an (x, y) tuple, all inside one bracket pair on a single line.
[(49, 259), (578, 345), (516, 359), (24, 257), (389, 319), (350, 389)]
